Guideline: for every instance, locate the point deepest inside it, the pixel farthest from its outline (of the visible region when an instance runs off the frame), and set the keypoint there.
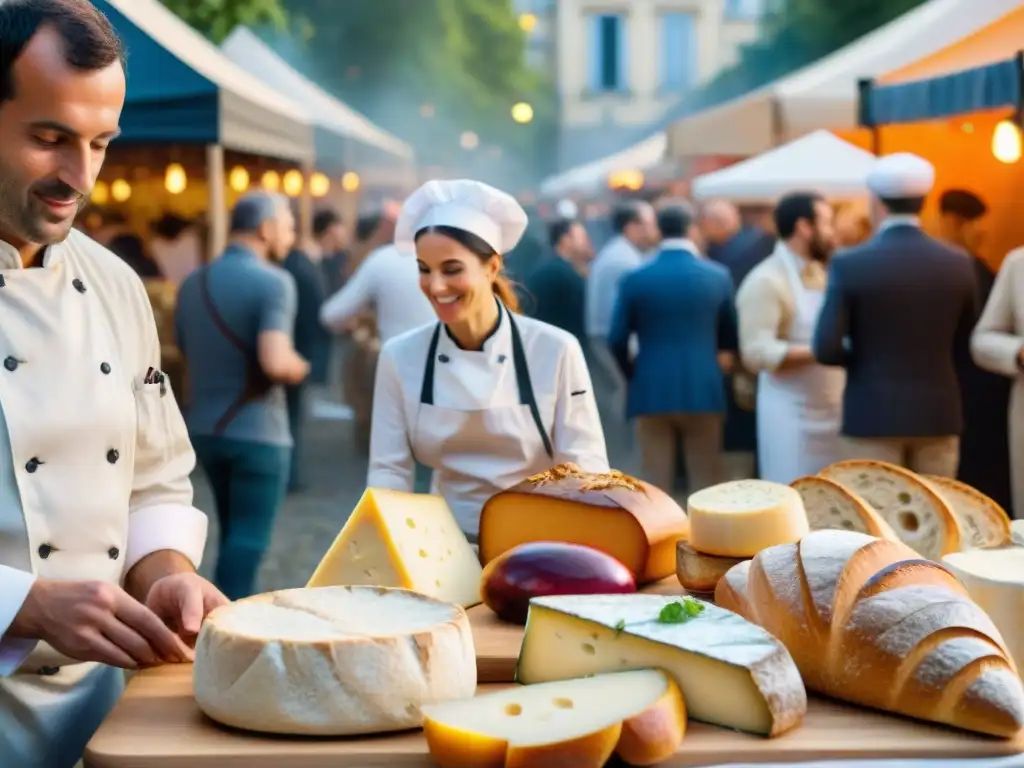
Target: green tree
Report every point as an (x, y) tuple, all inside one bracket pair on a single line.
[(216, 18)]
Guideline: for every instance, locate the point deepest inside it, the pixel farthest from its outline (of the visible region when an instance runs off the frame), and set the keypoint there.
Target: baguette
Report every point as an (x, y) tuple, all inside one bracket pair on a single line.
[(868, 621)]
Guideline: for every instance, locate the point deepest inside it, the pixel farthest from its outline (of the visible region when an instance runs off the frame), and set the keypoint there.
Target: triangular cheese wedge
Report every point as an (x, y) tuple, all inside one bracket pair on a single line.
[(403, 540)]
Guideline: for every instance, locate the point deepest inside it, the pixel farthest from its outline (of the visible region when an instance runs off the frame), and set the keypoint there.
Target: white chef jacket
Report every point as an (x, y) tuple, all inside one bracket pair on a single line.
[(616, 260), (95, 473), (503, 449), (388, 281)]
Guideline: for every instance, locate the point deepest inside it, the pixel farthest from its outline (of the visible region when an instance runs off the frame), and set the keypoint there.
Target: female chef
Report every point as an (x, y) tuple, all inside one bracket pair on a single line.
[(484, 397)]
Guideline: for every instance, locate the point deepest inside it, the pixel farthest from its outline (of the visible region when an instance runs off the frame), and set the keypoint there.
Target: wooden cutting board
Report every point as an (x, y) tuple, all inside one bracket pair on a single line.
[(497, 642), (157, 725)]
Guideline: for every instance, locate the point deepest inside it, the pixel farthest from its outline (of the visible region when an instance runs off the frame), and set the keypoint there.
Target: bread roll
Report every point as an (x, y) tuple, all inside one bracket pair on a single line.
[(866, 620), (830, 505), (983, 523), (698, 572), (921, 518), (629, 519)]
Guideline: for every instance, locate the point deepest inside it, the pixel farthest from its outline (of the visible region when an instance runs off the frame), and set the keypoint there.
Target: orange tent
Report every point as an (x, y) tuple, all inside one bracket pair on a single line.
[(959, 141)]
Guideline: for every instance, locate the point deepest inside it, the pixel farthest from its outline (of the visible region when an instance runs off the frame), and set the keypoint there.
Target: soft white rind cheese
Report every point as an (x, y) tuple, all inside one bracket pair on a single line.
[(740, 518), (731, 672), (334, 661), (994, 578)]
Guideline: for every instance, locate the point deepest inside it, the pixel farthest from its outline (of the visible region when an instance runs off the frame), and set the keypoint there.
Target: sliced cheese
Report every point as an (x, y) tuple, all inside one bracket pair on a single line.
[(982, 521), (334, 661), (580, 723), (832, 506), (731, 672), (742, 517), (994, 579), (698, 572), (403, 540)]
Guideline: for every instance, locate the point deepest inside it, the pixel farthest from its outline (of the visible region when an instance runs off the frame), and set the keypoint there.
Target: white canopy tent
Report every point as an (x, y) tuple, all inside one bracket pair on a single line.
[(328, 113), (592, 177), (818, 162), (824, 94)]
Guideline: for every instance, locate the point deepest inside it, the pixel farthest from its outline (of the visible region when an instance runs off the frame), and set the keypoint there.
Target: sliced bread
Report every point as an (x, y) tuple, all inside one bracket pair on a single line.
[(983, 522), (921, 518), (831, 505)]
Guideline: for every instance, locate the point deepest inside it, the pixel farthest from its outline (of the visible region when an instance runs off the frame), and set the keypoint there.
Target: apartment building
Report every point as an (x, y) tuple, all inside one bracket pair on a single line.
[(620, 64)]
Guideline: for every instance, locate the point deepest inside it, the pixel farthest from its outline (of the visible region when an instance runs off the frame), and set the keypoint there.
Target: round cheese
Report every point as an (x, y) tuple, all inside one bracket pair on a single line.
[(740, 518), (994, 578), (332, 661)]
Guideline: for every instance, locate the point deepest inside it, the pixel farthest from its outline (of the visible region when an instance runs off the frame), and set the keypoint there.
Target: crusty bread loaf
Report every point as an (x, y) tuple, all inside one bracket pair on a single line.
[(982, 521), (698, 572), (866, 620), (830, 505), (922, 518), (629, 519)]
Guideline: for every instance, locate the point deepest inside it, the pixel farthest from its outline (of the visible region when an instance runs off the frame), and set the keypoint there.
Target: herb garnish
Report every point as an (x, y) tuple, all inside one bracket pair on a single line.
[(680, 612), (619, 626)]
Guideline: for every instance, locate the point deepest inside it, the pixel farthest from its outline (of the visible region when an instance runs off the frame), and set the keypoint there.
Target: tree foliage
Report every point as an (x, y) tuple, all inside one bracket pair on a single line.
[(216, 18)]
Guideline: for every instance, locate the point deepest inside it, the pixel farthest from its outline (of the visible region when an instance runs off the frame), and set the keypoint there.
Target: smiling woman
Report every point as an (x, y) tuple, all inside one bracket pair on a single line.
[(458, 396)]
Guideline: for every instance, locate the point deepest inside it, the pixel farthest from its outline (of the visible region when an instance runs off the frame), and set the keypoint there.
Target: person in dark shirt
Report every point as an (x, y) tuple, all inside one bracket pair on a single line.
[(121, 241), (985, 443), (556, 288)]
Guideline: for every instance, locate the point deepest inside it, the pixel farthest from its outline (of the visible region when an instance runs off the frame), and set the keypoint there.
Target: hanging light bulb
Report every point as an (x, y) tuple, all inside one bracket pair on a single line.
[(175, 179), (271, 181), (319, 185), (238, 179), (1006, 142), (100, 193), (292, 183), (120, 190), (350, 181)]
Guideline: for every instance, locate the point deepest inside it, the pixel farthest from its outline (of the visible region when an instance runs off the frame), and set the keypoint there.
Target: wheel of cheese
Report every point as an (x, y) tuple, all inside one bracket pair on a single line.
[(922, 518), (742, 517), (994, 579), (332, 661), (831, 506), (982, 521)]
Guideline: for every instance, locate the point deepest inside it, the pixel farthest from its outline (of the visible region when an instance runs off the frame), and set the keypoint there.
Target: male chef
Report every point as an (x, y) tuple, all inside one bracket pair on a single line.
[(898, 314), (99, 541)]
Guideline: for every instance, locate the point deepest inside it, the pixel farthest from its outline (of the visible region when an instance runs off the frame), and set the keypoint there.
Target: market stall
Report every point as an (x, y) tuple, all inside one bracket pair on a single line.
[(626, 170), (961, 109), (820, 162)]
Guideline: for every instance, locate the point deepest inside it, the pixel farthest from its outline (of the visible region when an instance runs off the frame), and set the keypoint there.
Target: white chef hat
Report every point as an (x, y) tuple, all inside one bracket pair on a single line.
[(901, 175), (490, 214)]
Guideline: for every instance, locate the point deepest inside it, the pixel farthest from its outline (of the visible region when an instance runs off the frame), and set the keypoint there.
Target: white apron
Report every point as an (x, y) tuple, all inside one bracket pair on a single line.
[(57, 339), (799, 410), (465, 446)]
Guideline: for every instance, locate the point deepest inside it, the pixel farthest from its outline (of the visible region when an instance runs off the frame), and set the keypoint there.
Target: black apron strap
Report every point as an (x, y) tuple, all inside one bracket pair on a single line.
[(427, 390), (526, 395)]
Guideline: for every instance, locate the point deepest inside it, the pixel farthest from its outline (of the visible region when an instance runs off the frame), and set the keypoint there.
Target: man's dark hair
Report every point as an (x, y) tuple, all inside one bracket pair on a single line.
[(903, 206), (90, 41), (675, 220), (959, 202), (624, 214), (794, 207), (367, 225), (559, 229), (324, 219)]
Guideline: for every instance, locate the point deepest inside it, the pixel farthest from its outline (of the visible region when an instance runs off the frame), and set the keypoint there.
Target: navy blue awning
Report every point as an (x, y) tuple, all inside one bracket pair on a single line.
[(972, 90)]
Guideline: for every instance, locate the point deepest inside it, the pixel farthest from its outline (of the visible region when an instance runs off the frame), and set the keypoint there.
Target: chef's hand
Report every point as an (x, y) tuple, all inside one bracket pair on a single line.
[(182, 600), (97, 621)]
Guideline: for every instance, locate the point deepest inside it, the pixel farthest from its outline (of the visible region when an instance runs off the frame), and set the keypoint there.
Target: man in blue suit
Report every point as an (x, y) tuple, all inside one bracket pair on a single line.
[(898, 315), (681, 308)]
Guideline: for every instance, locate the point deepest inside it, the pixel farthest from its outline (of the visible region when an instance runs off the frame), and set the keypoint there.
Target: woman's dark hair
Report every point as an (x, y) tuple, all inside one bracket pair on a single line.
[(504, 289)]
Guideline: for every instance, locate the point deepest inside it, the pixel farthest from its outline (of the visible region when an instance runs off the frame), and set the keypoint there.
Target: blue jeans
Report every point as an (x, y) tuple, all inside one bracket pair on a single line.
[(249, 482)]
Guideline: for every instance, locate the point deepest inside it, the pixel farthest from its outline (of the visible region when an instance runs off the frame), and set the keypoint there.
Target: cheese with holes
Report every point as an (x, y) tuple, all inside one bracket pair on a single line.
[(994, 579), (629, 519), (732, 673), (403, 540), (334, 661), (639, 715), (742, 517)]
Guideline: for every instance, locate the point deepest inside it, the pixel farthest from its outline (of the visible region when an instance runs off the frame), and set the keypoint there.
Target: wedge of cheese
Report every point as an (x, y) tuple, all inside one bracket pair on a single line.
[(334, 661), (629, 519), (732, 673), (406, 541), (580, 723), (982, 521), (698, 572), (994, 579), (742, 517), (831, 505), (922, 518)]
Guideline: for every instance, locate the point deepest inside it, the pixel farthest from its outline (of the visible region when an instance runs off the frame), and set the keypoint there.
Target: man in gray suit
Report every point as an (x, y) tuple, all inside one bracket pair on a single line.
[(898, 315)]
